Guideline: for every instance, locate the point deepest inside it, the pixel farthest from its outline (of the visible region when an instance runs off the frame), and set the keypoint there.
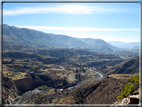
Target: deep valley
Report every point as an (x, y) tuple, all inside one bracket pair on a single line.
[(46, 68)]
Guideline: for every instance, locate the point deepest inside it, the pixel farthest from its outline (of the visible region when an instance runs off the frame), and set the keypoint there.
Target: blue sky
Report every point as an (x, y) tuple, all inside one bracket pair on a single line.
[(107, 21)]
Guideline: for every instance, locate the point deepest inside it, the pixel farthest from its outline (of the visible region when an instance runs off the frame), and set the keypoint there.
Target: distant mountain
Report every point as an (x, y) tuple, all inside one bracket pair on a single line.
[(14, 35), (69, 42), (125, 45), (99, 44), (135, 48), (96, 42), (22, 36)]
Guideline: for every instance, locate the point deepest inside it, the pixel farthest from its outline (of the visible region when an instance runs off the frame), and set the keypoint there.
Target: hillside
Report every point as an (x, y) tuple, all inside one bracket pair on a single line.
[(99, 44), (104, 91), (13, 88), (9, 91), (129, 66), (18, 38)]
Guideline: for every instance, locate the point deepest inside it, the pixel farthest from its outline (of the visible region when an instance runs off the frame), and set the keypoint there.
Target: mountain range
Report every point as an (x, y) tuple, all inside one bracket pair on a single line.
[(22, 36), (125, 45), (13, 35)]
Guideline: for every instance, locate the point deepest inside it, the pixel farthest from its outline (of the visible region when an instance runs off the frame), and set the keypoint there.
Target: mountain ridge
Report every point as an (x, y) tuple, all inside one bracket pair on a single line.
[(18, 38), (23, 36)]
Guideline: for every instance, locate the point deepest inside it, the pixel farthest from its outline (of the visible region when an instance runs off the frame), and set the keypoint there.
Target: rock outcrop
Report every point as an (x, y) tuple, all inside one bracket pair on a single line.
[(131, 99), (24, 84), (9, 91), (11, 88)]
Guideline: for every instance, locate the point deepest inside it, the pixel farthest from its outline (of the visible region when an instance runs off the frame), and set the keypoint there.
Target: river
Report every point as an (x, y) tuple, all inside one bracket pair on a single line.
[(101, 76), (17, 100)]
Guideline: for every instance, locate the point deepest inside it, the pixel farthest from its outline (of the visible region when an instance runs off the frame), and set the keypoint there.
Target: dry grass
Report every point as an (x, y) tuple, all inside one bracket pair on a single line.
[(121, 76), (13, 75), (67, 100)]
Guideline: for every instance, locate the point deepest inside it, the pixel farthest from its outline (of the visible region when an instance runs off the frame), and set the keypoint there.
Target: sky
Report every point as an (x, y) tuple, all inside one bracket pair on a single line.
[(107, 21)]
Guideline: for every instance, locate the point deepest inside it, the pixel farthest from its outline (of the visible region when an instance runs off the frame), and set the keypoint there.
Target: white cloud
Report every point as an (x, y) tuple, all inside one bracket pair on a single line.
[(67, 9), (83, 29)]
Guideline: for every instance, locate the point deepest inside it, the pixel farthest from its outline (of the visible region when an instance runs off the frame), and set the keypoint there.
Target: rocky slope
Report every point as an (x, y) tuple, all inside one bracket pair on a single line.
[(9, 91), (11, 88), (129, 66), (104, 91)]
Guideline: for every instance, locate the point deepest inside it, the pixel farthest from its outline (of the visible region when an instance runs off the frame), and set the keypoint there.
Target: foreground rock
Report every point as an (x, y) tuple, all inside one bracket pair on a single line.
[(131, 99), (9, 91)]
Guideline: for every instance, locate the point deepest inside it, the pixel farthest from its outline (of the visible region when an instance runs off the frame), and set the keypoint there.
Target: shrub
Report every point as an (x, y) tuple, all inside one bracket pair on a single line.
[(130, 87)]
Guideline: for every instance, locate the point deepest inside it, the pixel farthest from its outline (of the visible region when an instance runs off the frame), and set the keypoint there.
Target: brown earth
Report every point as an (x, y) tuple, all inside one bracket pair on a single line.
[(103, 91)]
